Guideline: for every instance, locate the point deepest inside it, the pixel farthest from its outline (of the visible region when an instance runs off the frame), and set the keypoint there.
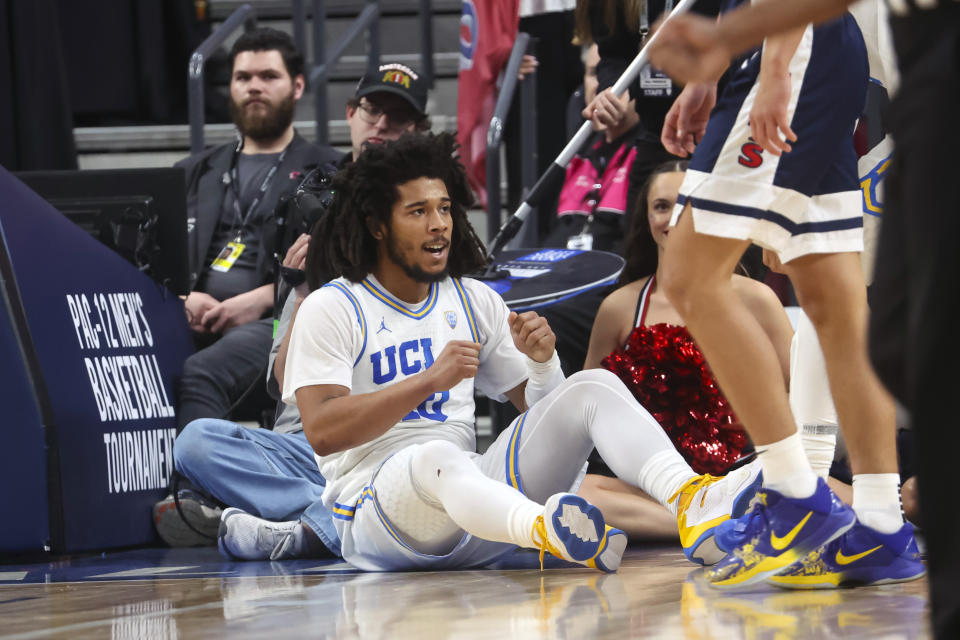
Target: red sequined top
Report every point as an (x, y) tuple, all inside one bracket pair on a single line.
[(664, 369)]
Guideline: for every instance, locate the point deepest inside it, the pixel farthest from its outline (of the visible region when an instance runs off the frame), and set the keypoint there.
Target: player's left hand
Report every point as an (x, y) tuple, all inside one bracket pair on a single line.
[(768, 117), (532, 335)]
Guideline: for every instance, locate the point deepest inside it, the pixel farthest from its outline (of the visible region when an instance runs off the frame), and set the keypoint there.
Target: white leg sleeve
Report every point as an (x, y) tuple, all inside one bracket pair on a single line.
[(441, 491), (594, 409), (446, 476), (810, 399)]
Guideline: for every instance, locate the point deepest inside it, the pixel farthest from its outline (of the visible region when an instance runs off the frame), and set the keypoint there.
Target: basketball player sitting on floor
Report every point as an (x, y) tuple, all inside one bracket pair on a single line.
[(383, 362)]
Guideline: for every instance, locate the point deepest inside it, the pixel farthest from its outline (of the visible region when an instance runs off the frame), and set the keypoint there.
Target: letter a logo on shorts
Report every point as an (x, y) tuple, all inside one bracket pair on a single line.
[(751, 155)]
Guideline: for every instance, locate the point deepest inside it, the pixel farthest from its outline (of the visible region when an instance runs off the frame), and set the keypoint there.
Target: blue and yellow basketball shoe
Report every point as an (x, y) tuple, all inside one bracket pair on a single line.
[(861, 556), (779, 532), (706, 501), (573, 529), (731, 533)]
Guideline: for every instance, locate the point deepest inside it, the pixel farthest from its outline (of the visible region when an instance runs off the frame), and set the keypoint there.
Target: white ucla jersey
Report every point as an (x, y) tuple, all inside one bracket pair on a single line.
[(357, 335), (872, 17)]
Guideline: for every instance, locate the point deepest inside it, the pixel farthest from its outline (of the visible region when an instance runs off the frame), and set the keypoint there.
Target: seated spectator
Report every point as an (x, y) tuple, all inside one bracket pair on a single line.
[(232, 191), (273, 473), (592, 204), (620, 29), (594, 195)]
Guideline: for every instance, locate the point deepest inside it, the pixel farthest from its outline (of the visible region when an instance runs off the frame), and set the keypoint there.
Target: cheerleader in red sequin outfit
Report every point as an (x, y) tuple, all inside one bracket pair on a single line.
[(638, 335)]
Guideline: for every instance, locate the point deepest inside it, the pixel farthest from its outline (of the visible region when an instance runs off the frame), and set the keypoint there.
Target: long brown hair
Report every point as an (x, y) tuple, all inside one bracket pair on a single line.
[(624, 12), (640, 251)]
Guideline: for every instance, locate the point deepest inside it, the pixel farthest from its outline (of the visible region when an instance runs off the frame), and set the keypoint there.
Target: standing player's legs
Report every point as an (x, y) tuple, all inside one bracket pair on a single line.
[(739, 197), (879, 548), (831, 291), (697, 280)]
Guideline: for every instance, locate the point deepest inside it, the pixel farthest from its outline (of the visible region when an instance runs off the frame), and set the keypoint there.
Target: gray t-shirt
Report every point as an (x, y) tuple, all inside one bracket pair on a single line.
[(252, 170), (288, 416)]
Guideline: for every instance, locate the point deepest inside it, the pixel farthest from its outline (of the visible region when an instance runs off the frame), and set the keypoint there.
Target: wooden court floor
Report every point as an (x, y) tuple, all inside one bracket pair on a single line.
[(193, 593)]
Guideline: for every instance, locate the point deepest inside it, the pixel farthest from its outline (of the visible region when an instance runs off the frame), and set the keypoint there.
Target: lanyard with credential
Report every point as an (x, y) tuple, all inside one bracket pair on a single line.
[(645, 16), (244, 217)]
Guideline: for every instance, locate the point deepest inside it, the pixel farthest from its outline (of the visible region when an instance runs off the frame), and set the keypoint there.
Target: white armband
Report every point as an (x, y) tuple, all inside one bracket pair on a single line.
[(542, 378)]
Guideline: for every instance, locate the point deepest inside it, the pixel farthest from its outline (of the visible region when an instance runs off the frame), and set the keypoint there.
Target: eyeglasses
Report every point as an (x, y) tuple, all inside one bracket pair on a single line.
[(397, 120)]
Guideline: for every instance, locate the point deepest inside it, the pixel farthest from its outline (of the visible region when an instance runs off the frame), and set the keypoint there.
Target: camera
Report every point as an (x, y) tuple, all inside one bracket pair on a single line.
[(297, 213)]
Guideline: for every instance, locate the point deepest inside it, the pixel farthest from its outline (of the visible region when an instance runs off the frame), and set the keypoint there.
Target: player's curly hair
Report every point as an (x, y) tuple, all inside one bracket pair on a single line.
[(341, 243)]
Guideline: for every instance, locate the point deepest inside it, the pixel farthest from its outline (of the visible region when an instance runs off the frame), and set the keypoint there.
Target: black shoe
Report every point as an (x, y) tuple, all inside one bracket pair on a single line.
[(191, 523)]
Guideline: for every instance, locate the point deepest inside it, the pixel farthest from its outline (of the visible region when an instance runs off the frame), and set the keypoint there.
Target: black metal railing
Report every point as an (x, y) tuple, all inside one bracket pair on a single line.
[(244, 16), (528, 142), (368, 20), (426, 41)]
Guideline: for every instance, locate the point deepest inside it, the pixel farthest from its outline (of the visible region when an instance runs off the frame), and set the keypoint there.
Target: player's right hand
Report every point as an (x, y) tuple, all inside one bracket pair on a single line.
[(686, 122), (458, 360)]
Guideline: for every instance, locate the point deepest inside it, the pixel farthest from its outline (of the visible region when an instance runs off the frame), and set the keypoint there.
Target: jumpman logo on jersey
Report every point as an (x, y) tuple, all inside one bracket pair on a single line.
[(383, 326)]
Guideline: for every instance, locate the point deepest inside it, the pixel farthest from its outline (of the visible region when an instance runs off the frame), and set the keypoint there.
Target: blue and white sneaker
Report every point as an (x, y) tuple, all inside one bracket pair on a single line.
[(779, 532), (573, 529), (861, 556), (704, 503)]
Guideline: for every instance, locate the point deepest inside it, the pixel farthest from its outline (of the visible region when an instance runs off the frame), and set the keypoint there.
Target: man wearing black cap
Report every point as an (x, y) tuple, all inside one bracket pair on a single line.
[(387, 103), (273, 474)]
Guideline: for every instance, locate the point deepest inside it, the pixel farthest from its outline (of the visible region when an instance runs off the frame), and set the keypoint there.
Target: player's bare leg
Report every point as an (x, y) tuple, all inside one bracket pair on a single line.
[(831, 291), (697, 281)]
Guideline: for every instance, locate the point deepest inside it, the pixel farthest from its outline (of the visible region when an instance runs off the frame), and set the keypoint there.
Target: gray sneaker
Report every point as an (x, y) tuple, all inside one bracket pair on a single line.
[(246, 537), (193, 524)]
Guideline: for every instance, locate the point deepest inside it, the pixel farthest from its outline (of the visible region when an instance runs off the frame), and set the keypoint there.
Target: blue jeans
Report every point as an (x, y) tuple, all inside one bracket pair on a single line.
[(271, 475)]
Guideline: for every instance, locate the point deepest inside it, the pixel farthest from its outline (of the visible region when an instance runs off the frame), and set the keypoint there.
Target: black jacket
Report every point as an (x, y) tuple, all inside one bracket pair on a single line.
[(206, 190)]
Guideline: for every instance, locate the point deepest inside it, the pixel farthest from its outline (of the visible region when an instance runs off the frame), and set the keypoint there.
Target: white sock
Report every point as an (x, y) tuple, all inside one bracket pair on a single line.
[(820, 444), (786, 469), (876, 501), (663, 475)]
